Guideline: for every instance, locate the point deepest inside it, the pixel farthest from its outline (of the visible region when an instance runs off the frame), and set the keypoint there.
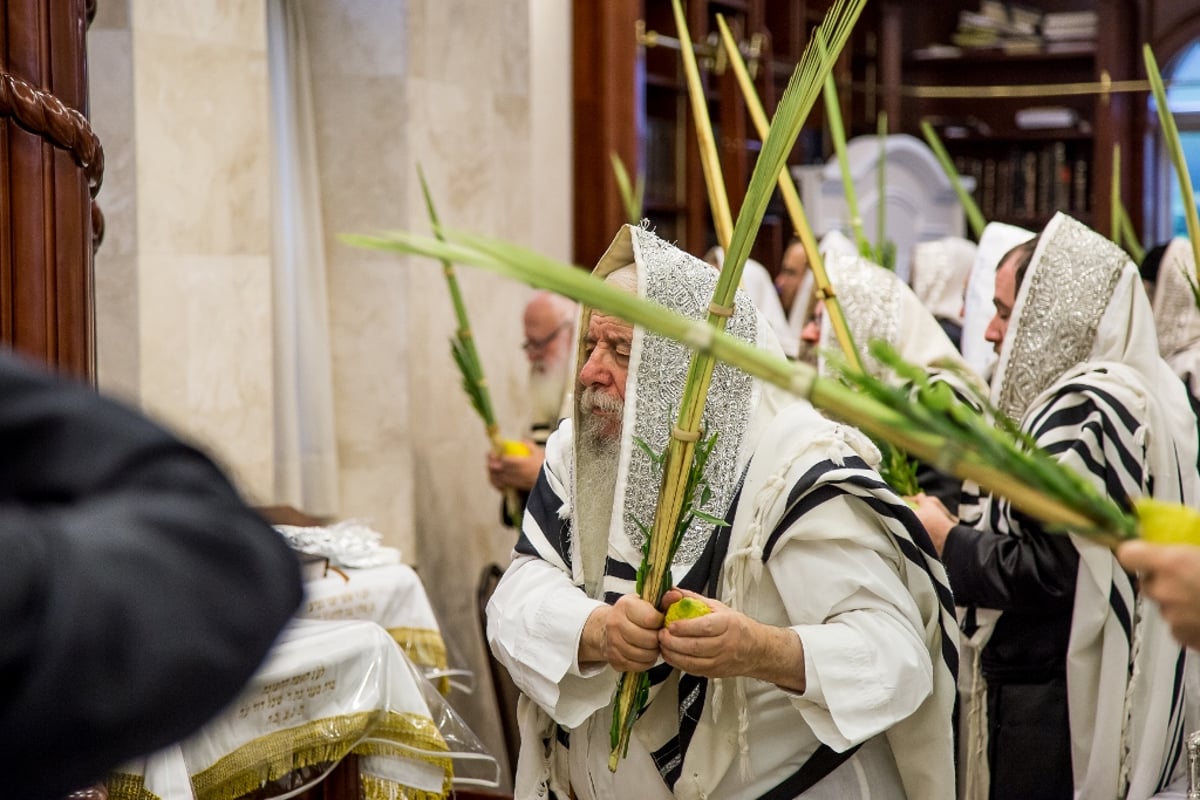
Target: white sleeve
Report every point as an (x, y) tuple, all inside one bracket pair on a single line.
[(534, 622), (865, 661)]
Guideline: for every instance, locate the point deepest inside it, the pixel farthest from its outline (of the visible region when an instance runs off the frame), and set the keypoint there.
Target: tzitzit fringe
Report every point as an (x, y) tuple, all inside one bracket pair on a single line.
[(324, 741)]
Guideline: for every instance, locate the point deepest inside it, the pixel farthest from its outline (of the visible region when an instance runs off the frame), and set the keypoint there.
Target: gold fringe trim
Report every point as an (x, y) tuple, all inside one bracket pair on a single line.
[(123, 786), (374, 788), (271, 757), (426, 648), (420, 739), (274, 755)]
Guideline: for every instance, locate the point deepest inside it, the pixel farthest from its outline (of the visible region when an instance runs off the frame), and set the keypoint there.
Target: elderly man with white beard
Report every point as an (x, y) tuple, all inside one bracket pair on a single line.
[(548, 321), (826, 668)]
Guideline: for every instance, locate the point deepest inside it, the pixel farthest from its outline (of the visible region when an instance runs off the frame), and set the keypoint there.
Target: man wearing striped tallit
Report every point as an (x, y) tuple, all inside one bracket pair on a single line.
[(826, 669), (1073, 686)]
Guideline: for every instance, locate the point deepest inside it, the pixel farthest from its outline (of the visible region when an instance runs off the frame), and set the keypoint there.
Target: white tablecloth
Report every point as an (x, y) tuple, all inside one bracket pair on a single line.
[(327, 689), (394, 597)]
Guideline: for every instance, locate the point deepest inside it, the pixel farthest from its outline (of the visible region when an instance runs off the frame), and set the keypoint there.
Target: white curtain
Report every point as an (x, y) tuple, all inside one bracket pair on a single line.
[(306, 466)]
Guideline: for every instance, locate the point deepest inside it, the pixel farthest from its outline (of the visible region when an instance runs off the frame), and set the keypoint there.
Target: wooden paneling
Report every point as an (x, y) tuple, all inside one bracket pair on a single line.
[(49, 168)]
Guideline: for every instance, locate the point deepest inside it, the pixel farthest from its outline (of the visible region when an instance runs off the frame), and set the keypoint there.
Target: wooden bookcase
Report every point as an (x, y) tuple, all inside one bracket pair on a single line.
[(1023, 176), (631, 99)]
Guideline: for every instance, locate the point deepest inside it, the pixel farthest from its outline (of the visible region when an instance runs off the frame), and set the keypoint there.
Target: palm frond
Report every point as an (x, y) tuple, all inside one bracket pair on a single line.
[(631, 194), (974, 215), (888, 420), (710, 161), (1175, 149)]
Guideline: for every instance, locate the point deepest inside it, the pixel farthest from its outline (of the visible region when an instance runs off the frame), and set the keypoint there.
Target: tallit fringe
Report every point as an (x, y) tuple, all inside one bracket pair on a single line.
[(1139, 625)]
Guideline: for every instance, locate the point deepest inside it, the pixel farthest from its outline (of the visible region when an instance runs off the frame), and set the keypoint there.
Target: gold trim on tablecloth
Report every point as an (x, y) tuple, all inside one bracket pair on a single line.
[(426, 648), (322, 741), (122, 786)]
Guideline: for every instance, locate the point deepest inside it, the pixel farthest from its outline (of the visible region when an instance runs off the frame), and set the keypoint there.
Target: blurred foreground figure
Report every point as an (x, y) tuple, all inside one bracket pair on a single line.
[(139, 592)]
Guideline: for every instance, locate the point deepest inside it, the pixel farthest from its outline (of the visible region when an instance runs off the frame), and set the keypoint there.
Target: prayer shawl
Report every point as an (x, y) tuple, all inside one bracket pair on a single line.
[(878, 305), (940, 270), (776, 471), (757, 283), (1176, 318), (997, 239), (1079, 368)]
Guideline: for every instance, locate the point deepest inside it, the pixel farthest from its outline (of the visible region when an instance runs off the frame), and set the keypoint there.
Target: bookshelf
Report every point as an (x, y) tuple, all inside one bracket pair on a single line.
[(1030, 155), (630, 98)]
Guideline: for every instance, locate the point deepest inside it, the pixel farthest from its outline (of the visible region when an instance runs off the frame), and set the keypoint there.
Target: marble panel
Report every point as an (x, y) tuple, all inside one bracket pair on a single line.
[(364, 162), (239, 23), (202, 147), (164, 350), (379, 492), (466, 42), (230, 390), (356, 38), (110, 75), (367, 302), (111, 15), (206, 350), (550, 134), (118, 355)]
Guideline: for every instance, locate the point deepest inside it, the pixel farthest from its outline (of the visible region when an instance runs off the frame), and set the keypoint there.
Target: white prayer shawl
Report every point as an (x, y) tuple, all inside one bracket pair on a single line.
[(878, 305), (537, 613), (997, 239), (1082, 331), (833, 244), (940, 271), (1176, 318), (756, 282)]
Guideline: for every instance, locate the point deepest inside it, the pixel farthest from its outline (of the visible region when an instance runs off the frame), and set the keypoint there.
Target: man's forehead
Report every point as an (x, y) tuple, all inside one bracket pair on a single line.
[(611, 326)]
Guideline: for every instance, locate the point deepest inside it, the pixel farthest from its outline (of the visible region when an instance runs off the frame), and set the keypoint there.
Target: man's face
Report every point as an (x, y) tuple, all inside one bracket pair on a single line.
[(603, 375), (546, 337), (1005, 298), (791, 272)]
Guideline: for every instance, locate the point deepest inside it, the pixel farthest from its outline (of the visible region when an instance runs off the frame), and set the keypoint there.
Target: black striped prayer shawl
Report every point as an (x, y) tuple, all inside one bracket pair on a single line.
[(547, 536)]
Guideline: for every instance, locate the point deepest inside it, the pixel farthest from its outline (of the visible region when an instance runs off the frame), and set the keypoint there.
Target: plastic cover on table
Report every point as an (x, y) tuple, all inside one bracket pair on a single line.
[(328, 689)]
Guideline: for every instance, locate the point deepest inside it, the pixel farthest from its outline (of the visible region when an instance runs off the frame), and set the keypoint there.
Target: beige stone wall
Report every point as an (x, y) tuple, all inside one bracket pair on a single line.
[(478, 92), (183, 279)]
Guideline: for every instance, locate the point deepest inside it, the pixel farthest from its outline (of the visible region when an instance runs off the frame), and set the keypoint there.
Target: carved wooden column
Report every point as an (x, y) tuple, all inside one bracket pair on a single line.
[(50, 169)]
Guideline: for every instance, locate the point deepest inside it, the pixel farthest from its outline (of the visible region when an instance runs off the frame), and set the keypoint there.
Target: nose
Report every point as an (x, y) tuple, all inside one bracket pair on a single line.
[(811, 332), (995, 332), (596, 371)]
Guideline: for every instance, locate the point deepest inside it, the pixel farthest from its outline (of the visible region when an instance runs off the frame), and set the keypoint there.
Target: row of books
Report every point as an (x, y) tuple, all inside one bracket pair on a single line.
[(1015, 28), (1031, 183)]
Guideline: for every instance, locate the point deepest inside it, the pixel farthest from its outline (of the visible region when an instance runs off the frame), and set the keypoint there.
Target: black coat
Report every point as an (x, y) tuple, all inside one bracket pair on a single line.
[(138, 595)]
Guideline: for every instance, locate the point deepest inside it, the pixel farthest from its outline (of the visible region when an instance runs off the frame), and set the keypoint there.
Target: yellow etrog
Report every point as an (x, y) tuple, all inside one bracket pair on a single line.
[(514, 448), (686, 608), (1167, 523)]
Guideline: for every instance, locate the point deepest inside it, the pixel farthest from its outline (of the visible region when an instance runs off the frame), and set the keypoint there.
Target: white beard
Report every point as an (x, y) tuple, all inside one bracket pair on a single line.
[(597, 455)]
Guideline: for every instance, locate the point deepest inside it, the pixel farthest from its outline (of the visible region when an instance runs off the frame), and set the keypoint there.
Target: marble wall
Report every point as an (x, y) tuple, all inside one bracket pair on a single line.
[(479, 94), (179, 98)]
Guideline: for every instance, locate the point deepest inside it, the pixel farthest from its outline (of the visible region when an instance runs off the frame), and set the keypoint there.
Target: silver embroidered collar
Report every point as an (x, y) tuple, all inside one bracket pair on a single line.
[(1057, 311), (654, 388)]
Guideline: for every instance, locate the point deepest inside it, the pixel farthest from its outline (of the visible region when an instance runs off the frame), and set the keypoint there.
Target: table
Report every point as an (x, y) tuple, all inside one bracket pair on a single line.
[(394, 597), (329, 688)]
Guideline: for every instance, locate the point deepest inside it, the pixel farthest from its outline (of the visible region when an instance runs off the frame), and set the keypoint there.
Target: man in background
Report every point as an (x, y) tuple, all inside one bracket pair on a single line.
[(549, 320), (1072, 670)]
